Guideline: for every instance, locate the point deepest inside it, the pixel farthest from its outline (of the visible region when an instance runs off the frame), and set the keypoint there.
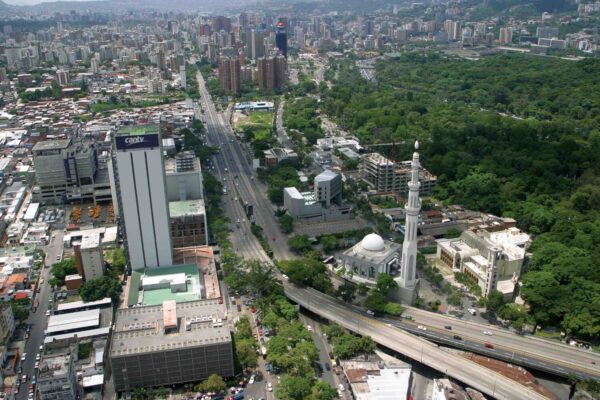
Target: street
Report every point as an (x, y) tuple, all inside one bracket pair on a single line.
[(38, 320)]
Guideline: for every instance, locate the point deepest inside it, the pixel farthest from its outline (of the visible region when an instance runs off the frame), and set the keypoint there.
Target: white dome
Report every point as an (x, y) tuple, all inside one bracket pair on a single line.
[(372, 242)]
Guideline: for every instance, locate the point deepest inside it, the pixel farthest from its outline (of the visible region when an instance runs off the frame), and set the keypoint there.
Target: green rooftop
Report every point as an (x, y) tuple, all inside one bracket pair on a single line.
[(158, 296), (137, 130), (186, 208)]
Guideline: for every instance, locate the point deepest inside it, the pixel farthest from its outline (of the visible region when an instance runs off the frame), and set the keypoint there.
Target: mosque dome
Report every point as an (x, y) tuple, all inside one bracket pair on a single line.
[(372, 242)]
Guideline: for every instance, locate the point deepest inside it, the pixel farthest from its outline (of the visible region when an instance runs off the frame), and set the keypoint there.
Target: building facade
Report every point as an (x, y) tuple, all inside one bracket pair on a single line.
[(386, 176), (92, 260), (170, 344), (140, 187), (56, 378)]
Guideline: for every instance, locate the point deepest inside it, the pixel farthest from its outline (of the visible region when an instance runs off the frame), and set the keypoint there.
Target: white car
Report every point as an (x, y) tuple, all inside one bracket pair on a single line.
[(370, 312), (23, 356), (47, 313), (269, 387), (251, 381), (487, 333), (341, 387), (310, 329), (421, 327)]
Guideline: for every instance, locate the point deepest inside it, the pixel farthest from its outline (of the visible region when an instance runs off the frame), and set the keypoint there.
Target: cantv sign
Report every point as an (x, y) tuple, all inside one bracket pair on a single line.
[(132, 142)]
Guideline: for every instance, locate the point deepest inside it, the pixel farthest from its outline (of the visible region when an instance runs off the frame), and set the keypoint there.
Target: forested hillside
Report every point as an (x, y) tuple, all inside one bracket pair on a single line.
[(541, 165)]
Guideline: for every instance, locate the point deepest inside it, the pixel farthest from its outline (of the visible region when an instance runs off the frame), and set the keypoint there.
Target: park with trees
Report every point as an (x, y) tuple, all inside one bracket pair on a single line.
[(513, 135)]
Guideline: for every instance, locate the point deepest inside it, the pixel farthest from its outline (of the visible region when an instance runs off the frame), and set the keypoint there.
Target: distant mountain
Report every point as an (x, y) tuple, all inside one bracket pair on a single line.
[(488, 8)]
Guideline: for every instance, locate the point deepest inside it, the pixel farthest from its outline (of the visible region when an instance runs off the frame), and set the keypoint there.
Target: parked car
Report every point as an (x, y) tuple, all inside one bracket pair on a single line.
[(489, 345), (457, 337), (448, 327), (370, 312)]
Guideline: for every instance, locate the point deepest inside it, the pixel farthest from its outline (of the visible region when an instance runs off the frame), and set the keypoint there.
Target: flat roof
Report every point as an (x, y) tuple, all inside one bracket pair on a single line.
[(80, 334), (153, 297), (75, 320), (80, 304), (141, 330), (52, 144), (138, 130), (90, 241), (186, 208)]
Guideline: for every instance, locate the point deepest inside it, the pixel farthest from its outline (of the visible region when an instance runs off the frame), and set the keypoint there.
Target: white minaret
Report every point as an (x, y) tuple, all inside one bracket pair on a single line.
[(408, 265)]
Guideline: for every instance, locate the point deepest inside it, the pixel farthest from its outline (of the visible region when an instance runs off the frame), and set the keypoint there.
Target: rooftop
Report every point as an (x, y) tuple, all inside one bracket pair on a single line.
[(52, 145), (138, 130), (142, 329), (156, 296), (90, 241), (54, 366), (186, 208)]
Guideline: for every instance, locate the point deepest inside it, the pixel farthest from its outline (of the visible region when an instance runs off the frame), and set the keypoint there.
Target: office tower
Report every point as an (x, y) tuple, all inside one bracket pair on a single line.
[(271, 72), (61, 167), (140, 187), (183, 76), (281, 38), (505, 35), (89, 254), (229, 74), (256, 46), (408, 264)]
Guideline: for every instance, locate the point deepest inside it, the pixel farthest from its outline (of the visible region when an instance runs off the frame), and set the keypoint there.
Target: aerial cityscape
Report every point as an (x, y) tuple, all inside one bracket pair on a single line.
[(300, 199)]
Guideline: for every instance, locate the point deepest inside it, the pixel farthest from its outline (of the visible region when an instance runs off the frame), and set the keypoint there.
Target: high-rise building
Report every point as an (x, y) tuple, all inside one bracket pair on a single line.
[(141, 193), (90, 256), (256, 45), (57, 379), (281, 38), (230, 74), (271, 72), (62, 77), (505, 35), (183, 77), (408, 264), (94, 66), (221, 23), (61, 166)]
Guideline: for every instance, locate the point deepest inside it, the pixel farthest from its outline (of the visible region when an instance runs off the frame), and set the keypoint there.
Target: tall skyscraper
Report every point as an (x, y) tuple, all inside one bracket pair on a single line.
[(256, 45), (408, 264), (281, 38), (183, 77), (505, 35), (271, 72), (230, 74), (140, 188)]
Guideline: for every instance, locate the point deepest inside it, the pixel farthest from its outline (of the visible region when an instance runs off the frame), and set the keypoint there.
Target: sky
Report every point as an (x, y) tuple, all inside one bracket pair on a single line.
[(32, 2)]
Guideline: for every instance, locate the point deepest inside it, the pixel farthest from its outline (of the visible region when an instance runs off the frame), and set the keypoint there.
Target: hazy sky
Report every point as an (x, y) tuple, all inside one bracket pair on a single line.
[(30, 2)]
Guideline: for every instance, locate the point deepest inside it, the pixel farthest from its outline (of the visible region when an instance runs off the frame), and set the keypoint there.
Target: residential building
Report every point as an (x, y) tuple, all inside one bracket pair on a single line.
[(182, 76), (506, 35), (183, 342), (140, 189), (56, 377), (230, 74), (7, 322), (271, 72), (256, 44), (377, 380), (62, 77)]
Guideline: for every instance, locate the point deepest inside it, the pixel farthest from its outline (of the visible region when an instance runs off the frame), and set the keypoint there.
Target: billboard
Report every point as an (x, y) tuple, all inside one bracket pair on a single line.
[(132, 142)]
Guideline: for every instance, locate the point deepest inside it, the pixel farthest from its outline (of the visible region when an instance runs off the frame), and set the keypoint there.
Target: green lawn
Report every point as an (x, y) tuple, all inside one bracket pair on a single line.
[(260, 122)]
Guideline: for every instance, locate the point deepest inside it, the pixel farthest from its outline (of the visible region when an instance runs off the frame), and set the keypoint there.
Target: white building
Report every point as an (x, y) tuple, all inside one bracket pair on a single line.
[(324, 203), (92, 260), (142, 195), (491, 259), (182, 77), (371, 257)]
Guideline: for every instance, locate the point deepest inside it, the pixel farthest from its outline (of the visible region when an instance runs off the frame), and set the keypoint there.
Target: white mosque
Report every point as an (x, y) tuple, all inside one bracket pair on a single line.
[(373, 255)]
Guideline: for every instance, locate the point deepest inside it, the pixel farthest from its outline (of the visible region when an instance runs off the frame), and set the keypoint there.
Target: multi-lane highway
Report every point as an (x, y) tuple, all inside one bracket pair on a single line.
[(232, 164), (234, 170), (526, 350), (476, 376)]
